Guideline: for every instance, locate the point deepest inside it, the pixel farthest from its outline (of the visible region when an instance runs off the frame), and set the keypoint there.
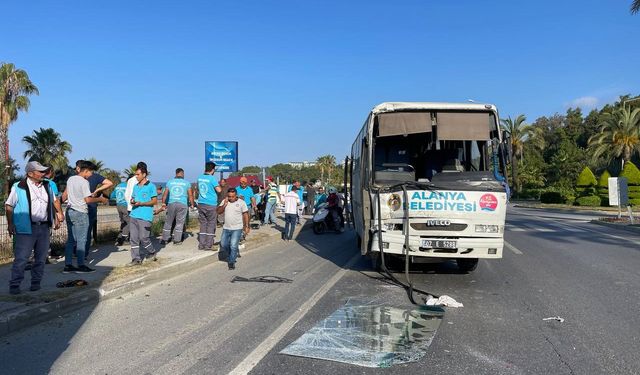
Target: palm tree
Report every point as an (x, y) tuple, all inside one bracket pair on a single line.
[(518, 132), (130, 171), (326, 163), (619, 135), (635, 6), (98, 163), (46, 146), (15, 88)]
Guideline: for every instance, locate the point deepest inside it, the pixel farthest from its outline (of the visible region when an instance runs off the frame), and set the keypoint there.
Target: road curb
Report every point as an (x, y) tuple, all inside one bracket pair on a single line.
[(627, 228), (27, 316), (566, 209)]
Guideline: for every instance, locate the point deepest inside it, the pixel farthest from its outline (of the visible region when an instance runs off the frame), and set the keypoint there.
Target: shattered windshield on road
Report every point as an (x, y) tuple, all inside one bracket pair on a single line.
[(370, 335)]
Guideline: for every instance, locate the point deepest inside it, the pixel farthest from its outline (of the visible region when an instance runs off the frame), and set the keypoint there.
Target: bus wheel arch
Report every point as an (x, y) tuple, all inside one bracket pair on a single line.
[(466, 265)]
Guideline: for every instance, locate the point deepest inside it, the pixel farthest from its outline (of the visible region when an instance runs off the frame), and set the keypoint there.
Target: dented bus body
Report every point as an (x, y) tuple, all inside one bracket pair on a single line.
[(430, 176)]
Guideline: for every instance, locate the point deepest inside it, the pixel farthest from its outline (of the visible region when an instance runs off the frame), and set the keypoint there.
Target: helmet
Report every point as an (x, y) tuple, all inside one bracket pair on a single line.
[(332, 190)]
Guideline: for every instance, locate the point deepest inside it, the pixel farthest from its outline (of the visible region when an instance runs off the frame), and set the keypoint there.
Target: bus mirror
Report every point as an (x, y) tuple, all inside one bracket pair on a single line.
[(495, 145), (505, 152)]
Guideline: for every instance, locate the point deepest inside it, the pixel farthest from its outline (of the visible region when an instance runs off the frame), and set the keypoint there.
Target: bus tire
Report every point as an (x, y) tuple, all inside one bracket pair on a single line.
[(467, 265)]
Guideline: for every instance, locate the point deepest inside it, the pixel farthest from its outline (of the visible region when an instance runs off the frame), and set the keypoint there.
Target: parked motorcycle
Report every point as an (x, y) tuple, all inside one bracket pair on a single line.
[(323, 221)]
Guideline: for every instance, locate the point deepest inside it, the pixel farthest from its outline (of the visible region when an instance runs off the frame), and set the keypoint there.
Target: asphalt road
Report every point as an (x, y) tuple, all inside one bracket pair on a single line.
[(200, 323)]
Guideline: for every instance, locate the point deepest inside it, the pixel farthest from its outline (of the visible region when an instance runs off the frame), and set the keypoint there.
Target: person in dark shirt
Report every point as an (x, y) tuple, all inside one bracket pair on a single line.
[(311, 198), (255, 187)]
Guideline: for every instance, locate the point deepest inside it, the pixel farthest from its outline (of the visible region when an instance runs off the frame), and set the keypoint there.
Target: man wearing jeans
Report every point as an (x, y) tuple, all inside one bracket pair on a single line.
[(291, 204), (236, 221), (208, 190), (77, 195), (30, 215), (95, 180), (300, 191), (272, 196)]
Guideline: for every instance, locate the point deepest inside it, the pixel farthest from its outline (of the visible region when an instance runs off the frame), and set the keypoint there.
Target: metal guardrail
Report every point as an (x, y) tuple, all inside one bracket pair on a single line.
[(108, 227)]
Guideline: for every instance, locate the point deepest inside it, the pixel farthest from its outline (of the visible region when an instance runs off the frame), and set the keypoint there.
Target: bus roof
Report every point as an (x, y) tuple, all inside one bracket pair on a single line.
[(430, 106)]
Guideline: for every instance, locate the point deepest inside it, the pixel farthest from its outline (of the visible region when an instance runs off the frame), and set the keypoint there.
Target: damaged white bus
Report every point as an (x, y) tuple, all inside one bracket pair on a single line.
[(427, 183)]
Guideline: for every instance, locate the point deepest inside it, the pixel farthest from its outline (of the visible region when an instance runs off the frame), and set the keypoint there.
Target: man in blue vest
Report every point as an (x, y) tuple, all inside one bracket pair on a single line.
[(208, 190), (123, 214), (176, 199), (30, 214)]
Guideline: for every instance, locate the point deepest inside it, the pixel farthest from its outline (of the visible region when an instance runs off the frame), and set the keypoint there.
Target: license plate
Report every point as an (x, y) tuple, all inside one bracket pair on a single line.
[(439, 244)]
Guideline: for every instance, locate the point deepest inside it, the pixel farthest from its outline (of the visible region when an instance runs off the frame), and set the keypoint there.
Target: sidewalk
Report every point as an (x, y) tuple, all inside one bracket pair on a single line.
[(111, 278)]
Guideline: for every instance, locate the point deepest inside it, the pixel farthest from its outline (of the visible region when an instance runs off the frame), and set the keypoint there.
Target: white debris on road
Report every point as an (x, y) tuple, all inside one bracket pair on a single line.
[(556, 318), (443, 301)]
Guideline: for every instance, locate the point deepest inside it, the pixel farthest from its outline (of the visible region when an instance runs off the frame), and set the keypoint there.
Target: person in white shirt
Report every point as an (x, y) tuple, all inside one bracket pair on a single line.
[(291, 204), (78, 194), (236, 222), (31, 212)]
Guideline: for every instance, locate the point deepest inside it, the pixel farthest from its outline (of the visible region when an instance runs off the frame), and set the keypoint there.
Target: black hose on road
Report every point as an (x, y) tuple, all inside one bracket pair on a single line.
[(409, 285)]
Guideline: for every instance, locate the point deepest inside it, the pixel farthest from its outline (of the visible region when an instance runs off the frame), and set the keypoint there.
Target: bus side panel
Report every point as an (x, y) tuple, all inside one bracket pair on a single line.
[(359, 195)]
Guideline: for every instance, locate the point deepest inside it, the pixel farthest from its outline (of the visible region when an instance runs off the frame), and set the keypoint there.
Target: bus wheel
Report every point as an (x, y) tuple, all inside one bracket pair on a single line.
[(319, 227), (467, 265)]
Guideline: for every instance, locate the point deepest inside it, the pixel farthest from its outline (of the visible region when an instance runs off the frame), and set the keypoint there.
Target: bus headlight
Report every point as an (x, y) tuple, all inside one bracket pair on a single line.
[(484, 228)]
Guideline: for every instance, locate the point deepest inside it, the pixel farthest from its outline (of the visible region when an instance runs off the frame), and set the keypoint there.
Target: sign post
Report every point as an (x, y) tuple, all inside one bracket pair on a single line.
[(223, 153), (618, 193)]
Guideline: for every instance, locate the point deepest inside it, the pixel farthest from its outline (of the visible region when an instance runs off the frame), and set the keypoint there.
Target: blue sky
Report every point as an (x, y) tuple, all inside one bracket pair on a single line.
[(124, 81)]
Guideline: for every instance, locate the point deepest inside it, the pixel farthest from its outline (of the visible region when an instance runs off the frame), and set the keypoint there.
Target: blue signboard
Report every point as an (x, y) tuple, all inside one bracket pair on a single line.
[(224, 154)]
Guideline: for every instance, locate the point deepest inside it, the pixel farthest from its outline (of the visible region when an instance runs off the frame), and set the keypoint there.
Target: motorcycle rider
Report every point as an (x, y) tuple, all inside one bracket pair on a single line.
[(333, 205)]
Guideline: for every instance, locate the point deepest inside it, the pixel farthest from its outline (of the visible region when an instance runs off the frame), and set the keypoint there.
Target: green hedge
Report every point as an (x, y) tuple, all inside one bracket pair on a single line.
[(584, 191), (591, 200), (634, 189), (551, 197), (586, 178), (603, 182), (529, 194), (634, 202), (631, 172)]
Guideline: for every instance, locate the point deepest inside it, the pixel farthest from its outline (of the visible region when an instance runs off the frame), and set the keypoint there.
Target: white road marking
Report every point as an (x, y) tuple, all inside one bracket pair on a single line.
[(607, 234), (591, 229), (512, 248), (265, 346), (517, 229), (576, 230), (545, 230)]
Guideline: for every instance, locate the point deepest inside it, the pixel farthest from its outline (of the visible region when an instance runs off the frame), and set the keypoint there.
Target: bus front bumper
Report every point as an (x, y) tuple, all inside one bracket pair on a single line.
[(465, 247)]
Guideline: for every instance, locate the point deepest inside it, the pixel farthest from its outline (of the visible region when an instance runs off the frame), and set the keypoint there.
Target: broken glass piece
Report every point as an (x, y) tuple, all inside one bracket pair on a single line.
[(370, 335)]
